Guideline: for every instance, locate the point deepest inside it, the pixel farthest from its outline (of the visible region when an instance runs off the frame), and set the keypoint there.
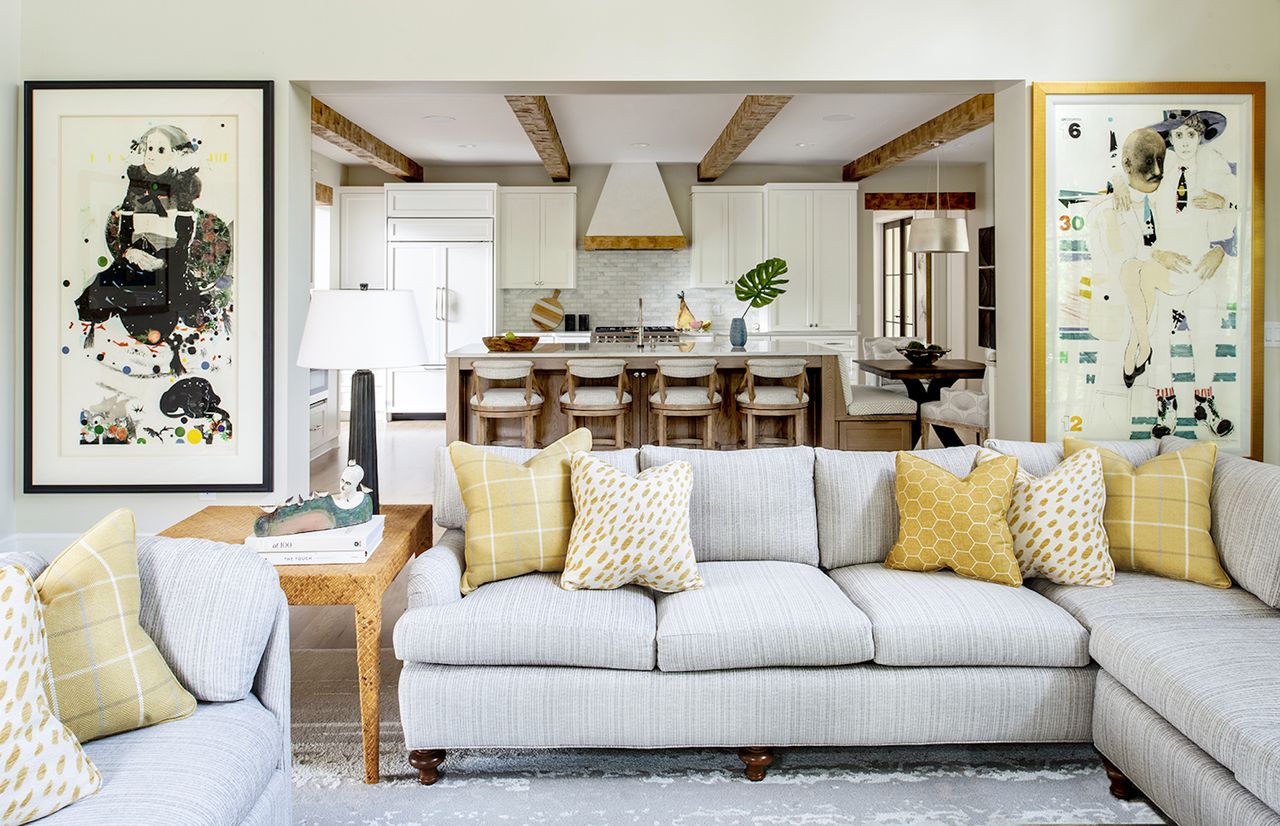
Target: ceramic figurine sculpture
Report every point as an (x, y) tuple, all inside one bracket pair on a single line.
[(351, 505)]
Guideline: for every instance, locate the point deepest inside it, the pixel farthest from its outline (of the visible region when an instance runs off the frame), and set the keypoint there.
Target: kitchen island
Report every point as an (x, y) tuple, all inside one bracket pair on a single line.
[(825, 391)]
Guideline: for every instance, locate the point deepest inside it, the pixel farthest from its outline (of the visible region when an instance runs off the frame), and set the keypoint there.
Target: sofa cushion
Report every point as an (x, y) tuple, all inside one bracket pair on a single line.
[(757, 614), (748, 504), (1245, 505), (1147, 596), (531, 620), (207, 770), (448, 510), (857, 506), (1038, 458), (1213, 680), (942, 618)]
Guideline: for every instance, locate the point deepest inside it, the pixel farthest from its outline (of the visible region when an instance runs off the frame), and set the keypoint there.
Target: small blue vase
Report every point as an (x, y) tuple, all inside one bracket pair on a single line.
[(738, 332)]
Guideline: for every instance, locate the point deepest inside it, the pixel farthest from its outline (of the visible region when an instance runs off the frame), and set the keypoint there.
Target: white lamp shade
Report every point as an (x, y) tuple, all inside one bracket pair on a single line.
[(362, 329), (938, 235)]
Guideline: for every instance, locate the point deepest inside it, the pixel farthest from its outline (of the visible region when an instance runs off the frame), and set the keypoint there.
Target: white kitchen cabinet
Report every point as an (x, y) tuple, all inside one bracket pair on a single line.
[(415, 389), (441, 200), (813, 227), (362, 237), (537, 237), (728, 234)]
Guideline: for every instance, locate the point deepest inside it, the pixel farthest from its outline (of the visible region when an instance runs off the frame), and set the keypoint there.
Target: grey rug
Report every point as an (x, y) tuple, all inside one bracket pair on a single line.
[(951, 785)]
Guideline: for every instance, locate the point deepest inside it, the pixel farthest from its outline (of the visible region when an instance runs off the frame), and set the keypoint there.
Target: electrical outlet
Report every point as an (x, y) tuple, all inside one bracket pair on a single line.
[(717, 309), (206, 497), (1271, 334)]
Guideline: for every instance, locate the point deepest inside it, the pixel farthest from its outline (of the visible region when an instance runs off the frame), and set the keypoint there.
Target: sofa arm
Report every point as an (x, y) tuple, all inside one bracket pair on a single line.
[(271, 684), (435, 577), (211, 609)]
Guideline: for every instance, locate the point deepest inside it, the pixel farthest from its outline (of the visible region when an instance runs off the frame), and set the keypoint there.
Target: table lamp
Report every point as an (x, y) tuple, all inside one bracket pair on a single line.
[(359, 330)]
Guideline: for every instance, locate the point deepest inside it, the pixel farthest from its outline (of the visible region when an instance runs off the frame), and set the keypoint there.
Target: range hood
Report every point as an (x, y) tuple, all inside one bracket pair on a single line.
[(634, 212)]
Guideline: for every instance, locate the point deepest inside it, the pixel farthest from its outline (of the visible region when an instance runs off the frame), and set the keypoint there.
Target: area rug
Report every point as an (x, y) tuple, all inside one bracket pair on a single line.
[(942, 785)]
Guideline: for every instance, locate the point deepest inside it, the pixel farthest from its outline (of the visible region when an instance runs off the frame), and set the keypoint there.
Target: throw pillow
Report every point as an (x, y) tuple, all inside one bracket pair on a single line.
[(45, 769), (1056, 521), (947, 522), (518, 516), (631, 529), (106, 674), (1158, 515)]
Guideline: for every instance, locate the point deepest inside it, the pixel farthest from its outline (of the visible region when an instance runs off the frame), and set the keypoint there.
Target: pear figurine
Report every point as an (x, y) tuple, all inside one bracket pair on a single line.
[(684, 316)]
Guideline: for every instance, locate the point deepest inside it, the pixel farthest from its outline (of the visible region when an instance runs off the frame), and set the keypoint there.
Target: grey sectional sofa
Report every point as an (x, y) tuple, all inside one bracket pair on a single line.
[(219, 618), (802, 637)]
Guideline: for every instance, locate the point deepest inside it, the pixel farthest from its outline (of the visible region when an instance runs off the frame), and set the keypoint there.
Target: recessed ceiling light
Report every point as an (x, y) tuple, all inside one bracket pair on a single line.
[(803, 145), (438, 118), (839, 117), (466, 146), (640, 145)]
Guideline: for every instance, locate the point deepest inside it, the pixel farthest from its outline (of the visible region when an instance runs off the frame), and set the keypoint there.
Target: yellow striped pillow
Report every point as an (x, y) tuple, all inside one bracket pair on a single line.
[(518, 516), (1157, 514)]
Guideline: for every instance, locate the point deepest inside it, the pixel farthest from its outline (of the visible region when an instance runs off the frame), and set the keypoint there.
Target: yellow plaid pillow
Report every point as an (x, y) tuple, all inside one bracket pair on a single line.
[(945, 522), (518, 516), (106, 674), (1157, 514)]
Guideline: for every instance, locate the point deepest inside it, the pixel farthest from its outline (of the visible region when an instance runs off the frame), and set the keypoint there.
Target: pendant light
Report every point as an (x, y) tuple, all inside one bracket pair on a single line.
[(938, 233)]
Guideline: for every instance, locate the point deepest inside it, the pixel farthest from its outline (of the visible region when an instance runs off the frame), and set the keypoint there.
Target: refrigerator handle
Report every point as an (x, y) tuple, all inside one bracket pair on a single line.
[(438, 316), (444, 304)]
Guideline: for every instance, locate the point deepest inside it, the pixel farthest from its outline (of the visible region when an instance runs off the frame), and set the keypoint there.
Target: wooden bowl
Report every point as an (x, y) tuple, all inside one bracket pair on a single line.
[(502, 344), (920, 357)]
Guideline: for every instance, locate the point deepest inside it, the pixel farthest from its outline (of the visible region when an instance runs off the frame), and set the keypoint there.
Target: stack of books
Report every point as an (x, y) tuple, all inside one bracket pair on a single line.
[(340, 546)]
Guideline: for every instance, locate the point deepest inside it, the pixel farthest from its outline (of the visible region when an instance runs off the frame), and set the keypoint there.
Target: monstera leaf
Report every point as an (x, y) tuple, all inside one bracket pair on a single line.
[(762, 284)]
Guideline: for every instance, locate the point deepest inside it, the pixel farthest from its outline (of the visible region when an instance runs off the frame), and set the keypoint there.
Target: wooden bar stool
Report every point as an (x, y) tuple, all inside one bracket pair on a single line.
[(789, 400), (597, 401), (696, 401), (523, 402)]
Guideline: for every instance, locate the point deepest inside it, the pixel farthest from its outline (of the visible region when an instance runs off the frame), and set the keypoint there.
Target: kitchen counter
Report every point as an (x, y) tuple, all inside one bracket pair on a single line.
[(699, 348)]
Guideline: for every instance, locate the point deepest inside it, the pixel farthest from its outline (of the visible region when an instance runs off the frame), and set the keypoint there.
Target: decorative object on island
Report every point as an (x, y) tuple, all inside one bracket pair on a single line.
[(1147, 262), (922, 355), (358, 330), (759, 287), (509, 343), (547, 313), (351, 505), (685, 320), (148, 321)]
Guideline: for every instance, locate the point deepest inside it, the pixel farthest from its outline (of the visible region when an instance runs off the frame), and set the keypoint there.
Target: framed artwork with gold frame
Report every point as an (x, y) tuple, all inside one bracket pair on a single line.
[(1147, 262)]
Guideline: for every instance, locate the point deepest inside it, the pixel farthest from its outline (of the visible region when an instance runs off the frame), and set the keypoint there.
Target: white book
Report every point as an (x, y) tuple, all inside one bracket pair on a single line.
[(363, 537), (316, 557)]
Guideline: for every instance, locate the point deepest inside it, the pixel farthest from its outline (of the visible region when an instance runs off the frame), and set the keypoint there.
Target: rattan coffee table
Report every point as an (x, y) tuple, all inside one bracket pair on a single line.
[(407, 534)]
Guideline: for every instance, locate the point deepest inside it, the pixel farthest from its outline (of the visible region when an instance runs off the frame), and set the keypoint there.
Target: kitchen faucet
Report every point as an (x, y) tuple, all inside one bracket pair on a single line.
[(640, 327)]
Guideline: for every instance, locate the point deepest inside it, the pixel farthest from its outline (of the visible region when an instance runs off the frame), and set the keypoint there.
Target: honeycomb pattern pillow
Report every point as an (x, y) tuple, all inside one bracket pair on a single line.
[(946, 522), (45, 769), (630, 529), (1056, 521)]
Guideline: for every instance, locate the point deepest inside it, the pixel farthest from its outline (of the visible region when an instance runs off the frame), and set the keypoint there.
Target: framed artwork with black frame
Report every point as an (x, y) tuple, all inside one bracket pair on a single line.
[(1147, 262), (148, 286)]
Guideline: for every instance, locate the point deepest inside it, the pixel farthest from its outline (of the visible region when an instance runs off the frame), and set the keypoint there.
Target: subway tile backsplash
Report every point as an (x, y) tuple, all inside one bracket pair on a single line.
[(610, 282)]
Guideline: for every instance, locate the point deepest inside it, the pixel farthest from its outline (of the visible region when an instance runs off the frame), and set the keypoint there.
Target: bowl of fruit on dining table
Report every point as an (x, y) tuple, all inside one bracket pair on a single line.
[(510, 343), (921, 354)]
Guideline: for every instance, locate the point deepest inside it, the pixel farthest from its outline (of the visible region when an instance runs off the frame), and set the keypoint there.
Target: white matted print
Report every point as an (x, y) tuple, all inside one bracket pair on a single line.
[(148, 287), (1147, 278)]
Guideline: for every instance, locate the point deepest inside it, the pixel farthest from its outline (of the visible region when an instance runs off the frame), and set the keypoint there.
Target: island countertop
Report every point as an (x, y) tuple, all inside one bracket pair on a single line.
[(686, 349)]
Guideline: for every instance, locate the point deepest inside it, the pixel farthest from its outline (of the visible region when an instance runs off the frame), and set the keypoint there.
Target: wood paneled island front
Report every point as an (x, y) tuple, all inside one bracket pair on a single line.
[(823, 366)]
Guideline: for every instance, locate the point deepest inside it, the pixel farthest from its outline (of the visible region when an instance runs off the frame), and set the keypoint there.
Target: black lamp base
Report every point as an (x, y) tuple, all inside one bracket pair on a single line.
[(362, 446)]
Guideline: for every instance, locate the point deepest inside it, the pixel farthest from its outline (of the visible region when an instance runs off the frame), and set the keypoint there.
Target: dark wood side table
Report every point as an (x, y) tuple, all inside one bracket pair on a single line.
[(407, 534), (940, 374)]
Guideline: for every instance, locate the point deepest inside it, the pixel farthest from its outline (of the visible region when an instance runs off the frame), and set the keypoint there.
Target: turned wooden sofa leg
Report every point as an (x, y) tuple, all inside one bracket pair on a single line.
[(1122, 787), (757, 759), (427, 762)]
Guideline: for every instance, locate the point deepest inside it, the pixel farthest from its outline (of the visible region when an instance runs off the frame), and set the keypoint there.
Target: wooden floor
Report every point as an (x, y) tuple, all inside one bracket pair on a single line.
[(406, 474)]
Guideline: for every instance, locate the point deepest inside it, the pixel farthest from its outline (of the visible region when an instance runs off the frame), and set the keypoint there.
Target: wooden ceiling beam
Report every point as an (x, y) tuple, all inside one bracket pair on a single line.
[(752, 116), (973, 114), (534, 114), (334, 127), (918, 200)]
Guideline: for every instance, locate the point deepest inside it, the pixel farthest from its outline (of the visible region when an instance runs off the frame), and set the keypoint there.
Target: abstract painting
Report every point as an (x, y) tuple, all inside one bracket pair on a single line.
[(148, 279), (1147, 262)]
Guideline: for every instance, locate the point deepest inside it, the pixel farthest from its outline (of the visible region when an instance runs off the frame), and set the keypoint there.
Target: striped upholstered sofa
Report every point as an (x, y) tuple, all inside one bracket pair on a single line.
[(219, 618), (802, 637)]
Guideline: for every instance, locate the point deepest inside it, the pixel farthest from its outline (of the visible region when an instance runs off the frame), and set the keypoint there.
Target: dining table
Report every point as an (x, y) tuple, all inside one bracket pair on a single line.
[(925, 384)]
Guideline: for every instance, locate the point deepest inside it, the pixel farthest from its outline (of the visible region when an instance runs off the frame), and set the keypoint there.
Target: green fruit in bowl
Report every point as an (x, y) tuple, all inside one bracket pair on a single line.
[(914, 345), (935, 348), (509, 335)]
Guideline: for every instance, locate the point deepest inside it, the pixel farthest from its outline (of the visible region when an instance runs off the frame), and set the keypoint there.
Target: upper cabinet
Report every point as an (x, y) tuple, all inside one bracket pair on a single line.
[(537, 237), (362, 237), (813, 227), (441, 200), (728, 233)]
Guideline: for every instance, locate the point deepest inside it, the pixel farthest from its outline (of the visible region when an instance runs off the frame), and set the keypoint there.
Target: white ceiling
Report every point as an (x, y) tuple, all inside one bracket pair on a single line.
[(677, 127)]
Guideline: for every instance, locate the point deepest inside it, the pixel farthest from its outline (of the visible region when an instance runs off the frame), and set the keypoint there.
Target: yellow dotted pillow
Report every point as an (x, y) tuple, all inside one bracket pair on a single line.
[(630, 529), (1056, 521), (44, 767), (945, 522)]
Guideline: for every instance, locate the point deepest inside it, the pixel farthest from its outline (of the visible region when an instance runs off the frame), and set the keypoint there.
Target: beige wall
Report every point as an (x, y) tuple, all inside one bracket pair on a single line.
[(10, 258)]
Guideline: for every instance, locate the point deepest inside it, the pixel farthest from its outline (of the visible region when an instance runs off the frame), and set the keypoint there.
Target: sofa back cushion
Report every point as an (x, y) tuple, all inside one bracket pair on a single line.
[(1040, 458), (857, 504), (1245, 508), (748, 504), (448, 509)]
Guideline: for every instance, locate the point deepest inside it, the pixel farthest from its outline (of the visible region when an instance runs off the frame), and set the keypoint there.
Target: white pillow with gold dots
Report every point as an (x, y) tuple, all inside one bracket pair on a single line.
[(1056, 521), (630, 529), (42, 767)]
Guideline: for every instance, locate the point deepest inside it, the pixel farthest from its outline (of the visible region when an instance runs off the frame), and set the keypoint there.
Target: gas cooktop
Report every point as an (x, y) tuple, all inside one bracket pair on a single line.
[(627, 335), (632, 329)]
